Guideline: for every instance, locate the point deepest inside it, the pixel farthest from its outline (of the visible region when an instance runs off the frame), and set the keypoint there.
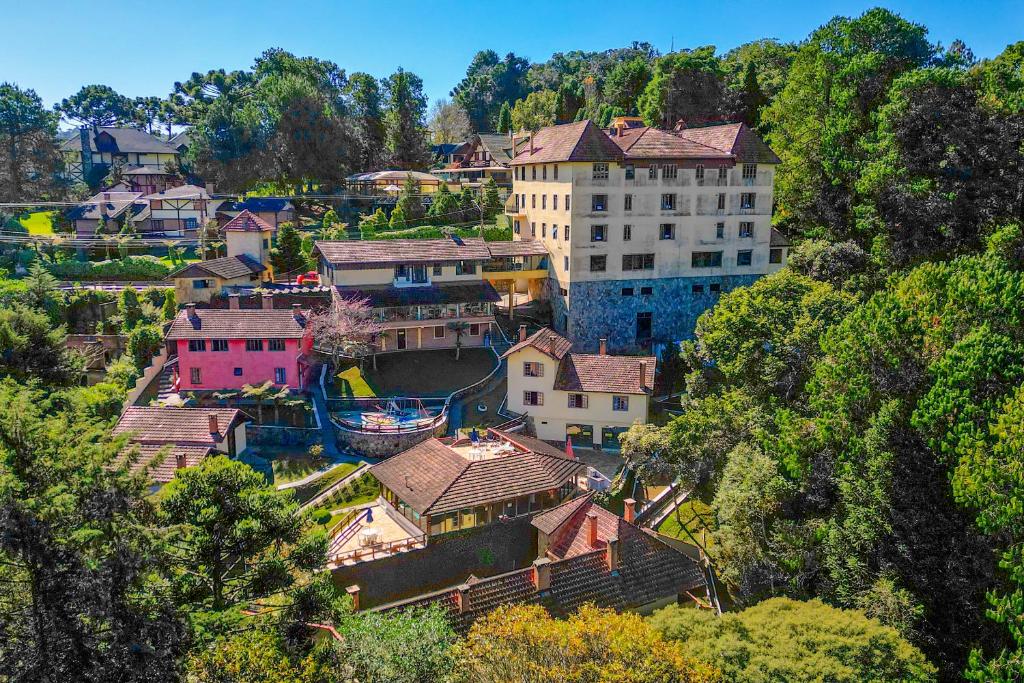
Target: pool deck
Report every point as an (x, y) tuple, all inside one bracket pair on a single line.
[(395, 534)]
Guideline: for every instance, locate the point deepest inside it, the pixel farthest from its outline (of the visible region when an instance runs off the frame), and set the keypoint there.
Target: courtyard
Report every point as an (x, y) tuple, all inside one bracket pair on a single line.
[(434, 373)]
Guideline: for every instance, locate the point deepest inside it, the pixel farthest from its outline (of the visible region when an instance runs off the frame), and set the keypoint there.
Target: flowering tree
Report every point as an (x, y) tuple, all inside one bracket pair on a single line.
[(346, 328)]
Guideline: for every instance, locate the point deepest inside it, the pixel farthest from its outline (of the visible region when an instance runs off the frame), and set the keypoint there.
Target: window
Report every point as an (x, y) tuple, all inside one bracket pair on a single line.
[(652, 172), (721, 201), (543, 202), (195, 345), (646, 291), (698, 173), (474, 329), (668, 231), (644, 326), (669, 172), (715, 287), (266, 244), (465, 268), (706, 259), (627, 202), (627, 291), (515, 229), (749, 171), (668, 202), (562, 291), (195, 375), (220, 344), (544, 172), (533, 201), (565, 263), (620, 402), (532, 369), (438, 331), (630, 172), (543, 229), (238, 372), (554, 232), (566, 202), (156, 223), (600, 171), (534, 170), (747, 200), (567, 233), (627, 232), (533, 229), (200, 284), (743, 257), (723, 174), (438, 268), (598, 263), (597, 233), (253, 344), (276, 344), (533, 398), (280, 376), (191, 223), (746, 229), (697, 289), (774, 256), (554, 172), (599, 202), (577, 400), (638, 261), (554, 202), (719, 230)]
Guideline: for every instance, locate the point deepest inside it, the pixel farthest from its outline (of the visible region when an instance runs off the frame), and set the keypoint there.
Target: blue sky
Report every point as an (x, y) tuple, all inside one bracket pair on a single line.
[(56, 47)]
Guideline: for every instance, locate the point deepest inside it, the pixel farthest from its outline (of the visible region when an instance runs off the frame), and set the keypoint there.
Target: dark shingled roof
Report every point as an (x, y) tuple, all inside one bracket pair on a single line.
[(210, 323), (541, 340), (248, 222), (387, 297), (432, 478), (226, 267), (180, 426), (380, 253), (258, 205), (609, 374), (580, 141), (126, 139), (182, 192)]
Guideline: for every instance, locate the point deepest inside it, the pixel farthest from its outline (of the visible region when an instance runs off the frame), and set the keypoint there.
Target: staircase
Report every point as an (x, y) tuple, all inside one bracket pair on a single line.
[(165, 383)]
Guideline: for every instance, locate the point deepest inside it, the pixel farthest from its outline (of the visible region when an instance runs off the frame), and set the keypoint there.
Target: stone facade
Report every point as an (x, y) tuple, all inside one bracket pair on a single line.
[(599, 309)]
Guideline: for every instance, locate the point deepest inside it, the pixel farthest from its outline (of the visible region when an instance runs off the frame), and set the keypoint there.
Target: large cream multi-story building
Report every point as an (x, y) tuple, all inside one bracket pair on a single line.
[(644, 227)]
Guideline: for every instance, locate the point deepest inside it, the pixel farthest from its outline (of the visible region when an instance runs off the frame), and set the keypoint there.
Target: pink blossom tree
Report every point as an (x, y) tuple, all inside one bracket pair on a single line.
[(347, 328)]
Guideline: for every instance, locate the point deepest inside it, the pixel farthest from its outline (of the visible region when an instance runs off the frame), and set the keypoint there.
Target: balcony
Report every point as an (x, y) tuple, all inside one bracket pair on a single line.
[(512, 207), (480, 309)]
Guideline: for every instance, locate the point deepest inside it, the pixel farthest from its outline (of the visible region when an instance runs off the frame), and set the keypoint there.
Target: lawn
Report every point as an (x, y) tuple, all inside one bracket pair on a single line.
[(293, 467), (363, 490), (433, 373), (38, 222), (314, 488), (694, 515)]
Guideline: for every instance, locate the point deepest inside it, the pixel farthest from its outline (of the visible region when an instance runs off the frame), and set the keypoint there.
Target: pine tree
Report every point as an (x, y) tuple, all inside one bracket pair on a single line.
[(753, 96), (287, 257), (505, 119), (445, 207), (409, 200), (170, 307), (467, 204), (492, 200), (130, 309), (398, 219)]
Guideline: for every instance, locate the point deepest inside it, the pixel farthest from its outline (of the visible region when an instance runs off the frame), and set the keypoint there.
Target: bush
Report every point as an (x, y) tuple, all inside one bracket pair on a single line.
[(321, 516), (129, 268), (144, 343)]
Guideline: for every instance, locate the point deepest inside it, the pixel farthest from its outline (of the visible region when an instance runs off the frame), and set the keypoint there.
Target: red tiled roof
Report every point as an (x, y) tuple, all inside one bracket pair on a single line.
[(541, 340), (210, 323), (249, 222), (379, 253), (580, 141), (550, 520), (653, 143), (160, 461), (608, 374), (735, 138), (180, 426)]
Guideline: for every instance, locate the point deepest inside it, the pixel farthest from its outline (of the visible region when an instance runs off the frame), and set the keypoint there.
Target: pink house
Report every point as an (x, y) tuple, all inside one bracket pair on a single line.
[(225, 349)]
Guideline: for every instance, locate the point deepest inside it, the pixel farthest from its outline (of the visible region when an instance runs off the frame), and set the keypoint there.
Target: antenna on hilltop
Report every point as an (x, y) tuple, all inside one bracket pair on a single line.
[(673, 47)]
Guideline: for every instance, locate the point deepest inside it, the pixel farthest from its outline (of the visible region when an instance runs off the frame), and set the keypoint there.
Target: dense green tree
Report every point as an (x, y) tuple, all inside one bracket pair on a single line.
[(626, 82), (688, 86), (1002, 80), (535, 111), (28, 153), (97, 105), (367, 106), (286, 256), (31, 347), (399, 647), (169, 308), (144, 342), (405, 129), (788, 640), (505, 119), (193, 98), (768, 62), (410, 200), (444, 206), (146, 112), (490, 82), (397, 220), (491, 200), (129, 308)]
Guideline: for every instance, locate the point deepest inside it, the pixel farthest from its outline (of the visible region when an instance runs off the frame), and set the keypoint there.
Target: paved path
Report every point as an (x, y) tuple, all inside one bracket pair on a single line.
[(456, 408), (328, 438)]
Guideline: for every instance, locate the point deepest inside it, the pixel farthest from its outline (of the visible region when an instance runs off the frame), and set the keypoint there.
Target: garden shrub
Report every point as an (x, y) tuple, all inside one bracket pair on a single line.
[(128, 268)]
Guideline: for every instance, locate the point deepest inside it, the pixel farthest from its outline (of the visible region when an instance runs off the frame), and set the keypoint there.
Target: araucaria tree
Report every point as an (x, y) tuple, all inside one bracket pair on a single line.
[(406, 106), (28, 153)]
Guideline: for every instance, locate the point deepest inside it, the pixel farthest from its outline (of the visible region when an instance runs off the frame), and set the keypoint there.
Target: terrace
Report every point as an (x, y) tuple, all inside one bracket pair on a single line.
[(371, 532)]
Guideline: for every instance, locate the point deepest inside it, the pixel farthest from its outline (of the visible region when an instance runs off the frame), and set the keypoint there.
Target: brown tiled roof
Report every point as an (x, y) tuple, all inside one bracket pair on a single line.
[(735, 138), (778, 239), (609, 374), (432, 478), (227, 267), (550, 520), (181, 426), (517, 248), (209, 323), (161, 460), (389, 297), (378, 253), (541, 340), (580, 141), (249, 222), (653, 143)]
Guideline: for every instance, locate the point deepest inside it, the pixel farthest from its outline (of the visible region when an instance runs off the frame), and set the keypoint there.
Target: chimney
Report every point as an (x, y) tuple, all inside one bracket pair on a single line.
[(106, 196), (630, 514), (209, 188), (297, 313), (602, 346), (643, 374), (268, 301), (214, 427), (353, 592), (552, 341), (612, 554), (233, 302), (531, 143), (191, 310), (522, 333), (179, 461), (592, 529), (542, 574), (462, 598)]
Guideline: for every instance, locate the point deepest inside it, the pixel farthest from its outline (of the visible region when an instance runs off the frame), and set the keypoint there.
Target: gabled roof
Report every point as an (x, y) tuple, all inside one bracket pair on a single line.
[(549, 521), (433, 478), (258, 205), (735, 138), (499, 146), (126, 140), (247, 221), (226, 267), (580, 141), (180, 426), (653, 143), (179, 139), (604, 373), (116, 204), (211, 323), (144, 170), (181, 192), (380, 253), (544, 340), (161, 460)]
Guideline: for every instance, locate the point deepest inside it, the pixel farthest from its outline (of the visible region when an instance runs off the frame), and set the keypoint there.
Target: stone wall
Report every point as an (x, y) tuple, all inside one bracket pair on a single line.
[(598, 309), (374, 445), (298, 437)]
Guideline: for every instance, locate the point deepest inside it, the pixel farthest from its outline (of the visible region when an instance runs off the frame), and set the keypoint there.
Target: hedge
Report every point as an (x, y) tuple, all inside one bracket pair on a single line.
[(128, 268)]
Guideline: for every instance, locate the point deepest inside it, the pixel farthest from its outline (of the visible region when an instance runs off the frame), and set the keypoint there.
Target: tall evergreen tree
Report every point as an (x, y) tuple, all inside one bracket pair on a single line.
[(505, 119), (406, 132)]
